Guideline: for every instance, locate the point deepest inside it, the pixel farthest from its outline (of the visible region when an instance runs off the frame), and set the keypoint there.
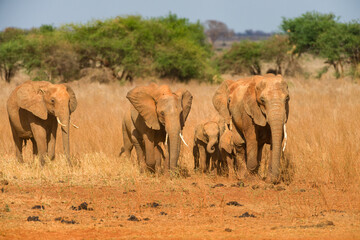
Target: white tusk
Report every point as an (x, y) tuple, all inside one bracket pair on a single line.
[(285, 137), (166, 138), (181, 136), (74, 125), (58, 120)]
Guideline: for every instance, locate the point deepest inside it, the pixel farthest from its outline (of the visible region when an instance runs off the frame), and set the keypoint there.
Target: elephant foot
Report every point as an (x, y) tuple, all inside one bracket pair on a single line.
[(272, 180)]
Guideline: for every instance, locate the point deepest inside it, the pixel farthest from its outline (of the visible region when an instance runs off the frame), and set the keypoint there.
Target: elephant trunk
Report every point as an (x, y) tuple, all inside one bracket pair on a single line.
[(64, 122), (276, 122), (173, 142), (210, 147), (174, 148)]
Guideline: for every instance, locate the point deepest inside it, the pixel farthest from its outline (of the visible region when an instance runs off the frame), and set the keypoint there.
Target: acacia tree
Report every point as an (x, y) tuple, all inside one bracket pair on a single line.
[(304, 31), (277, 49), (215, 29), (12, 48), (243, 56)]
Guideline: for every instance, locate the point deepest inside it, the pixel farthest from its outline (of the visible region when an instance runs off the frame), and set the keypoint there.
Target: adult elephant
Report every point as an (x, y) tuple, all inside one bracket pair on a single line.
[(35, 109), (258, 108), (156, 118)]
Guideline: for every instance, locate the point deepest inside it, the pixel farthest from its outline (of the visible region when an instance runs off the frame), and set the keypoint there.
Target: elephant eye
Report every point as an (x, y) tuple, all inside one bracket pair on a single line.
[(162, 113), (52, 100), (262, 99)]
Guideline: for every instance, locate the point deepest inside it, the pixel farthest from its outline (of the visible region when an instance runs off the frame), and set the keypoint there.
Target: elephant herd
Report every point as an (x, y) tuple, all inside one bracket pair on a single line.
[(253, 112)]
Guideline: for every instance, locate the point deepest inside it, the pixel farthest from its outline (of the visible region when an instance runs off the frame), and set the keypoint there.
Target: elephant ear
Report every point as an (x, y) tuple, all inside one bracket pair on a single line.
[(199, 133), (251, 106), (226, 141), (144, 103), (186, 102), (221, 98), (31, 99), (73, 101)]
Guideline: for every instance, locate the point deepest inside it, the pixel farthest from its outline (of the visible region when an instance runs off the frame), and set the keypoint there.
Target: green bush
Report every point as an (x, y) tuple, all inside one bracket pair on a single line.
[(304, 31), (12, 49), (241, 57), (325, 36), (166, 47)]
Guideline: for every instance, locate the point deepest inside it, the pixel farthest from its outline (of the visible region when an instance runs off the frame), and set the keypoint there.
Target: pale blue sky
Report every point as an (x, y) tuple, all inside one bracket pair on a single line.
[(239, 15)]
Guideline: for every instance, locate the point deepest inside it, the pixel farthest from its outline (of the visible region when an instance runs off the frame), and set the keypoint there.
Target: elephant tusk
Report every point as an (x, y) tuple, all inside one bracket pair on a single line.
[(74, 125), (166, 138), (182, 138), (58, 120), (285, 137)]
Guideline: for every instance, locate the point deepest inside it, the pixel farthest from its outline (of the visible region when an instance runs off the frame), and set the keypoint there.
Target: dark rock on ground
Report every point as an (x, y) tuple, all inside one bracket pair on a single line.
[(33, 219), (163, 213), (82, 206), (280, 188), (153, 205), (218, 185), (133, 218), (62, 220), (234, 203), (38, 207), (246, 215), (228, 230)]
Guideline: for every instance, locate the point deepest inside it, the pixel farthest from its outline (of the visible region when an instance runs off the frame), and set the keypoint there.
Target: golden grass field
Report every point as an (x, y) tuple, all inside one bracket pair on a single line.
[(320, 200)]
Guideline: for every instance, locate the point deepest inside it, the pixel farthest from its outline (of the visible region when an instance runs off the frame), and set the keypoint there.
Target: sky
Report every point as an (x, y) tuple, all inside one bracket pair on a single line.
[(239, 15)]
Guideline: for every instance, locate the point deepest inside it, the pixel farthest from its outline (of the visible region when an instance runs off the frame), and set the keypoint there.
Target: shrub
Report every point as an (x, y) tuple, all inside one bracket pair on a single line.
[(241, 57)]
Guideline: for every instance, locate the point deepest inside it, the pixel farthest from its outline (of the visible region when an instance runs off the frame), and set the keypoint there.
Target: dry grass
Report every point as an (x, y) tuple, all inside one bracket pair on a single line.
[(322, 151), (322, 129)]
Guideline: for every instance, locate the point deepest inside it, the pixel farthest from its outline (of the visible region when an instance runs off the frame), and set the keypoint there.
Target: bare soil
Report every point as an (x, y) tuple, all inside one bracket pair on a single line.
[(197, 207)]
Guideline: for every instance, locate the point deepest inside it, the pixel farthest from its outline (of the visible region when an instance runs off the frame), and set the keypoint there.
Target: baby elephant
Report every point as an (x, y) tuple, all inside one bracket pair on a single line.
[(232, 151), (206, 140)]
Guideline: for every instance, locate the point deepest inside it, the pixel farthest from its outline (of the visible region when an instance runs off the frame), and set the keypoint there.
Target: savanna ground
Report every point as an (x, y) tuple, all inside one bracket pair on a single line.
[(320, 200)]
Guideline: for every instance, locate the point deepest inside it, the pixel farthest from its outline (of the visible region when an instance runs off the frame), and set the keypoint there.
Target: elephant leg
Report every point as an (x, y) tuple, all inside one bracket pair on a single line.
[(39, 134), (157, 156), (208, 162), (230, 164), (196, 156), (202, 158), (18, 146), (149, 151), (35, 148), (139, 148), (252, 163), (127, 141), (52, 139)]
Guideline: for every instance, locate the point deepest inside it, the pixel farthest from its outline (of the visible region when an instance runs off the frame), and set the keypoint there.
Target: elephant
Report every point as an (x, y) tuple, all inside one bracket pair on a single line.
[(35, 109), (154, 124), (258, 108), (206, 149), (232, 151)]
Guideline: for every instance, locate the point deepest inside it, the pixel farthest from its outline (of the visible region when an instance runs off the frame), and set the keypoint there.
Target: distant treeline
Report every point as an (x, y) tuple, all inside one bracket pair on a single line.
[(173, 47)]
